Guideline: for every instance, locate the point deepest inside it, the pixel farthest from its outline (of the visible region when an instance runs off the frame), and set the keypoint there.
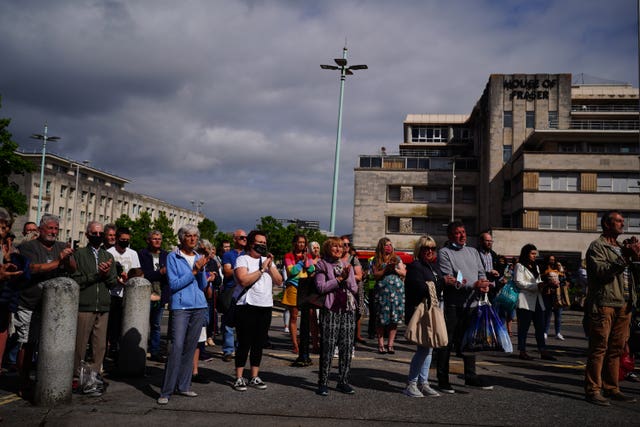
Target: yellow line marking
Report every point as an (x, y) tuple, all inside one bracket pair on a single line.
[(8, 399)]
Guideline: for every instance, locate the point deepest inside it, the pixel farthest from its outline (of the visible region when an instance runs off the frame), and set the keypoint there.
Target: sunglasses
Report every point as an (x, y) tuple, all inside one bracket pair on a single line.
[(429, 248), (241, 237)]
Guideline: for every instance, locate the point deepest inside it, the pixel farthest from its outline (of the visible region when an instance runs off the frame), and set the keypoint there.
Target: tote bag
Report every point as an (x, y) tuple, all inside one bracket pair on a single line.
[(427, 327)]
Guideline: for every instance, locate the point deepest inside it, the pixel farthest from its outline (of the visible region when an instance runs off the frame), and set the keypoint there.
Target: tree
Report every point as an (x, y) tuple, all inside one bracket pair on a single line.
[(11, 163), (139, 228), (279, 237), (208, 229), (165, 225)]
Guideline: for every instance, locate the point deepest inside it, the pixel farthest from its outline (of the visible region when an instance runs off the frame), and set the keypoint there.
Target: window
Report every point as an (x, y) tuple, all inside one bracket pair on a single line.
[(429, 134), (394, 193), (430, 195), (63, 191), (506, 190), (419, 225), (102, 201), (553, 120), (468, 195), (48, 188), (558, 182), (531, 119), (507, 151), (551, 220), (508, 119), (61, 213), (84, 197), (393, 224), (618, 183), (417, 163)]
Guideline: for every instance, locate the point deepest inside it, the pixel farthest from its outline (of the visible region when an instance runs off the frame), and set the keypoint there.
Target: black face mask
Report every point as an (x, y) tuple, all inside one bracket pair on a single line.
[(261, 249), (95, 240), (123, 243)]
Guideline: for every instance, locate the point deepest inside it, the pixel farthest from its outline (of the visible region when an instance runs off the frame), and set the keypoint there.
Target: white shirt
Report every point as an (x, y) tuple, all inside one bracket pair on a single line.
[(128, 260), (261, 292)]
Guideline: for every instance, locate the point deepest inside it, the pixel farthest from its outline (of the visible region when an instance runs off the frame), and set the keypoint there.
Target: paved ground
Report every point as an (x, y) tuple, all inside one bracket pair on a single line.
[(526, 393)]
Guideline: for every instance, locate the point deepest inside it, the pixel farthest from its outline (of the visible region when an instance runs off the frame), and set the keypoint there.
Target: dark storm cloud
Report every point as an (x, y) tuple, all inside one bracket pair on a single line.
[(225, 101)]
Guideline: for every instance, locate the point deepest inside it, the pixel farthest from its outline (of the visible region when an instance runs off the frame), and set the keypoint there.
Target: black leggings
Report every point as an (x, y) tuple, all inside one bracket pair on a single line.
[(252, 327)]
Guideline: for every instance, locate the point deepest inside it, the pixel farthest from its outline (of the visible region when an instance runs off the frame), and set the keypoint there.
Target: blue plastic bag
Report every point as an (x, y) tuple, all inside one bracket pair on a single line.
[(507, 298), (486, 332)]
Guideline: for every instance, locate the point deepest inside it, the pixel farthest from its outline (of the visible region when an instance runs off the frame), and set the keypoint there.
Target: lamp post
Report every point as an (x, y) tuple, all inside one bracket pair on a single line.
[(344, 71), (453, 186), (197, 204), (44, 139), (75, 199)]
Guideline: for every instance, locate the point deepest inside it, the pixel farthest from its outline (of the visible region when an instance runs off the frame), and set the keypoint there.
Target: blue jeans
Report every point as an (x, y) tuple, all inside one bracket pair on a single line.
[(557, 315), (155, 317), (228, 339), (420, 364), (186, 326)]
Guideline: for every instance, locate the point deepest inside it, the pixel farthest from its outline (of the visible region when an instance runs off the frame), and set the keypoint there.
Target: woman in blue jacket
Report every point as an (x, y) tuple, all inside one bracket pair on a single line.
[(187, 281)]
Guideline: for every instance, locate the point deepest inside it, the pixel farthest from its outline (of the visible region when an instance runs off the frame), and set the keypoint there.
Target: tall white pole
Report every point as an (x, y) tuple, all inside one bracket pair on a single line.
[(336, 162), (453, 186), (44, 153)]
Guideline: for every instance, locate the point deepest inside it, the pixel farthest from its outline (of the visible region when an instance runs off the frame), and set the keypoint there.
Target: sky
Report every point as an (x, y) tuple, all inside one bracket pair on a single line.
[(224, 101)]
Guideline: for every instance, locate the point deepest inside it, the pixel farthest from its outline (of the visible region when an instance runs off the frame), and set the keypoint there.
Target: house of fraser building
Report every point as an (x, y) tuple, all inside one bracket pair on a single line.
[(537, 160)]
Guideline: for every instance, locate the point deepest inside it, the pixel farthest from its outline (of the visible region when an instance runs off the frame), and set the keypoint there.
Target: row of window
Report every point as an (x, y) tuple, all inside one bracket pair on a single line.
[(530, 119), (561, 220), (606, 182), (424, 194), (422, 225), (440, 134)]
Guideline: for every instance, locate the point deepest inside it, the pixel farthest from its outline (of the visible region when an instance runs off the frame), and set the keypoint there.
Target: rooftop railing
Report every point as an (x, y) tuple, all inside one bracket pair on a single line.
[(420, 163)]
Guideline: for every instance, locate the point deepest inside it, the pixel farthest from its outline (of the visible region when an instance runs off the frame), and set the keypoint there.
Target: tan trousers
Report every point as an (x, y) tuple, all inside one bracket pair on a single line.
[(91, 325), (609, 331)]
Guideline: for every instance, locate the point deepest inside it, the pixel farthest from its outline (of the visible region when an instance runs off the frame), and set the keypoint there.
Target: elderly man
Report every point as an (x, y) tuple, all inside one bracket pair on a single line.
[(95, 274), (612, 280), (48, 258), (464, 274)]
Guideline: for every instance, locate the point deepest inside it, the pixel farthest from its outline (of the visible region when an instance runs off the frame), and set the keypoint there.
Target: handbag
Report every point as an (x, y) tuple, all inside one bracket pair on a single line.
[(427, 327), (561, 297), (507, 298), (485, 332)]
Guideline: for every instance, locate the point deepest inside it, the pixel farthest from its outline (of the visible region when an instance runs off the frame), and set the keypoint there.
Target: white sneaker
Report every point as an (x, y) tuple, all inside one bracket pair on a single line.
[(546, 336), (412, 390), (428, 391), (560, 337), (286, 330), (256, 382), (240, 384), (336, 353)]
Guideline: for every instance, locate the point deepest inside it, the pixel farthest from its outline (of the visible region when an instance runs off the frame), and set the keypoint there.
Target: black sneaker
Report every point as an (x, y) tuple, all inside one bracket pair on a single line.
[(478, 382), (446, 388), (345, 388), (323, 390)]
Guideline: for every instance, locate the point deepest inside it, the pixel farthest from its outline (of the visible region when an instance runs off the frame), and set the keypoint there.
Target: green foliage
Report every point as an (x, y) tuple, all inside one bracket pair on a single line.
[(141, 227), (11, 163), (279, 237), (208, 229), (165, 225)]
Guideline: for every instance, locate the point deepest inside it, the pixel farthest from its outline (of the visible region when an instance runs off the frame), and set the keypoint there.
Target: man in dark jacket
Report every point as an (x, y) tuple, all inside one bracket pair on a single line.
[(95, 274), (153, 261)]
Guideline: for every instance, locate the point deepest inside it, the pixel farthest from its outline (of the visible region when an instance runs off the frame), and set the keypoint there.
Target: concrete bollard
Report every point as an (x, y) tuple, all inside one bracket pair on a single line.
[(132, 357), (57, 341)]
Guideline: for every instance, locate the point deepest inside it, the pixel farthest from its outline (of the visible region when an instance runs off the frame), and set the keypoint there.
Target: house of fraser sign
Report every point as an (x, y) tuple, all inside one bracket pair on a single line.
[(529, 89)]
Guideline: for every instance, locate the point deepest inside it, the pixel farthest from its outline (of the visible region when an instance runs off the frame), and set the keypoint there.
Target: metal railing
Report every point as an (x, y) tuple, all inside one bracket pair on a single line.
[(608, 108), (605, 124), (420, 163)]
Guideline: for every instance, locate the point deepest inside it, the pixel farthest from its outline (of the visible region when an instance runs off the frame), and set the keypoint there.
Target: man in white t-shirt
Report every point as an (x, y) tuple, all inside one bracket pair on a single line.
[(126, 259)]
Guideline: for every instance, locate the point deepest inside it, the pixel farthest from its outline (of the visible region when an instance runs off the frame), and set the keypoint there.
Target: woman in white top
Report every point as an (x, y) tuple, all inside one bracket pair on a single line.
[(530, 303), (255, 274)]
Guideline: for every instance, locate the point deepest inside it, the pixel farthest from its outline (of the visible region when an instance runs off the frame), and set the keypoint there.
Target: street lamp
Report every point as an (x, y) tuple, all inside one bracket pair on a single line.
[(197, 204), (453, 187), (344, 71), (44, 139), (75, 199)]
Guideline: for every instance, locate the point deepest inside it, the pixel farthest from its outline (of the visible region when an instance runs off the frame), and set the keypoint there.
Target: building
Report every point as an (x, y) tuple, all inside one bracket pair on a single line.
[(78, 193), (537, 160)]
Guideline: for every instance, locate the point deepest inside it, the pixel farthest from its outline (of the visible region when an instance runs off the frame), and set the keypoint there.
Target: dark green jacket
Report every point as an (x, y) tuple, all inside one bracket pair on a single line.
[(94, 288)]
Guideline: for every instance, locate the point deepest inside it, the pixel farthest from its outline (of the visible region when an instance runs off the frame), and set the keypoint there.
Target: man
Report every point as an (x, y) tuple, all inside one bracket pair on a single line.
[(29, 231), (109, 236), (226, 246), (612, 279), (228, 264), (125, 259), (464, 274), (489, 259), (48, 258), (153, 261), (96, 274)]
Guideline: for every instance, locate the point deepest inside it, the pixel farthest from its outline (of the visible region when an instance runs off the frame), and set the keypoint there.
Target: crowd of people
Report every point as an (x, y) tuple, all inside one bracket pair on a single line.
[(325, 292)]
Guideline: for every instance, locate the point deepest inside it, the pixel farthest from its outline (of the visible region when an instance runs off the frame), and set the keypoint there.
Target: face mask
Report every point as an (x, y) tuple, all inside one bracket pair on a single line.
[(123, 243), (455, 245), (95, 240), (261, 249)]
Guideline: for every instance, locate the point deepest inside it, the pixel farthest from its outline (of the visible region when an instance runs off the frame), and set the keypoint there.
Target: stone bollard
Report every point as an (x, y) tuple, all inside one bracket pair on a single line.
[(57, 341), (132, 357)]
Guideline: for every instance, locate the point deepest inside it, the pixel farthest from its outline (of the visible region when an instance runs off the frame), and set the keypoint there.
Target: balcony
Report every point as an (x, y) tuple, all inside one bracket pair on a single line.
[(417, 163), (611, 108), (604, 124)]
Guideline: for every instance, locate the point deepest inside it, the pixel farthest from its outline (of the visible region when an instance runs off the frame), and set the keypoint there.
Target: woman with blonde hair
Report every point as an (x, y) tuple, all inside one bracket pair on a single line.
[(389, 271)]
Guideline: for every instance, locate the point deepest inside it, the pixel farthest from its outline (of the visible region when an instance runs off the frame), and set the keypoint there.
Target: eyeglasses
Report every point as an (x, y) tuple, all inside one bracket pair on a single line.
[(346, 245)]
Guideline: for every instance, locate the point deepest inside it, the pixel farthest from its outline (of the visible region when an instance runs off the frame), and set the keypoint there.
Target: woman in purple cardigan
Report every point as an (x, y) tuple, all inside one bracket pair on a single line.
[(335, 280)]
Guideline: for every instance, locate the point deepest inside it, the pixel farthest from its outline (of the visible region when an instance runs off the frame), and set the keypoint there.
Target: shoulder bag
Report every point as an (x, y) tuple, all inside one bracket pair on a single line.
[(427, 327)]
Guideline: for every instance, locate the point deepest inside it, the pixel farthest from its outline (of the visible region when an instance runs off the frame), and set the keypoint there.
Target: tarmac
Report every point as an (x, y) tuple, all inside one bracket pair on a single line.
[(533, 392)]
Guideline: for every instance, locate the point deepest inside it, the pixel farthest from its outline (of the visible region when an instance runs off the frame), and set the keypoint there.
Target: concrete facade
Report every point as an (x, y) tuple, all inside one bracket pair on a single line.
[(537, 161), (99, 196)]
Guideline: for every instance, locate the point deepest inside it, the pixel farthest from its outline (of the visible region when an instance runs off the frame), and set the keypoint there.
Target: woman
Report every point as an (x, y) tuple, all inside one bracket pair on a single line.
[(389, 271), (350, 256), (187, 281), (255, 274), (553, 278), (314, 257), (530, 304), (335, 280), (424, 269), (296, 266)]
